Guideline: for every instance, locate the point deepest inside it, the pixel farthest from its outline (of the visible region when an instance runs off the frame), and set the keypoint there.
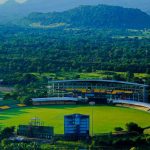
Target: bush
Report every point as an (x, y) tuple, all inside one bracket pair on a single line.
[(7, 96), (7, 132), (118, 129), (133, 127), (122, 142), (26, 100), (148, 139), (133, 148)]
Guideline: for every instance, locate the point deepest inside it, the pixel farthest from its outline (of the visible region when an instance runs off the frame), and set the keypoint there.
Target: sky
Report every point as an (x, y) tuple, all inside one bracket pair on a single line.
[(104, 1), (116, 2), (24, 7)]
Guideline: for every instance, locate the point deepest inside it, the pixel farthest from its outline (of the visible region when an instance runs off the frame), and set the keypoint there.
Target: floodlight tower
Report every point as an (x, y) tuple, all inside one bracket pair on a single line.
[(92, 104), (36, 122)]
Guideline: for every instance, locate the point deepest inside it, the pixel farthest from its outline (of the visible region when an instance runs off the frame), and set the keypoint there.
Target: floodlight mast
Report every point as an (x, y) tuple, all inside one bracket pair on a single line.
[(36, 122), (92, 104), (92, 121)]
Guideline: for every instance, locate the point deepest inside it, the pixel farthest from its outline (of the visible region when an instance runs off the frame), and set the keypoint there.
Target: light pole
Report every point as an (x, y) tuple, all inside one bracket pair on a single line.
[(92, 104), (92, 121)]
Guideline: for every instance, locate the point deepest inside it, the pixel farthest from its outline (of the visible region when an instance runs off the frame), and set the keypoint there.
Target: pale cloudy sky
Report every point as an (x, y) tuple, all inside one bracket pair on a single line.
[(19, 1)]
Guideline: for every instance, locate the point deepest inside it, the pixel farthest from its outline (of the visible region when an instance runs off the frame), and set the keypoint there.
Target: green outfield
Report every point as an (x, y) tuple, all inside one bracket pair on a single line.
[(105, 118)]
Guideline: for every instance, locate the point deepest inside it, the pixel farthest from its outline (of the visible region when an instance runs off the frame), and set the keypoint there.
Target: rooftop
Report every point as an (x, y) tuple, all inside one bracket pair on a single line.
[(54, 99), (132, 103), (99, 80), (76, 115)]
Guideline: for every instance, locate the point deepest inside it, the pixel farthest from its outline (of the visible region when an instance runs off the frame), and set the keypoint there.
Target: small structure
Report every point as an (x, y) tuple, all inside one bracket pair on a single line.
[(36, 129), (76, 126)]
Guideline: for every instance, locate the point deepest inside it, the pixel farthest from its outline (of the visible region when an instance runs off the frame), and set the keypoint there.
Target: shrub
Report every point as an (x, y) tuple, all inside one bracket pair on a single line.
[(118, 129), (133, 127)]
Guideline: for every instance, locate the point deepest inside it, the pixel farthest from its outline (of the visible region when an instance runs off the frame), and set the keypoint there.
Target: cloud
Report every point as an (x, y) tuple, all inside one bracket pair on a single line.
[(3, 1), (18, 1)]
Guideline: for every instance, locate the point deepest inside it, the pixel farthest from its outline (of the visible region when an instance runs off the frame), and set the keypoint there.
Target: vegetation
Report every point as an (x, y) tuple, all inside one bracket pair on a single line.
[(30, 86), (118, 129), (69, 54), (122, 140), (6, 145), (6, 132), (133, 127), (69, 50)]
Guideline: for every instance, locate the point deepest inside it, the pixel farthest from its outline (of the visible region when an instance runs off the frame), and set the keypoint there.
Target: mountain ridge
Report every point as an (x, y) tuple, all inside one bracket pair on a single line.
[(11, 8), (99, 16)]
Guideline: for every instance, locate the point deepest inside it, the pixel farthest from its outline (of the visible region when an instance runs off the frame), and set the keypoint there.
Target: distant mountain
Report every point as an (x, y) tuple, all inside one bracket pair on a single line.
[(100, 16), (11, 9)]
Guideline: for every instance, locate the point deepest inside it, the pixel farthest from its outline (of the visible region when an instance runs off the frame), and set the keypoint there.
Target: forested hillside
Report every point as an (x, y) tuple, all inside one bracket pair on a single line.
[(100, 16), (25, 50)]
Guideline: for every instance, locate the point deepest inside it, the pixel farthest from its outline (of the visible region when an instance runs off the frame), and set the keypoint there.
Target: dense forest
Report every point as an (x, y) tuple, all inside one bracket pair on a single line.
[(100, 16), (26, 50), (75, 48)]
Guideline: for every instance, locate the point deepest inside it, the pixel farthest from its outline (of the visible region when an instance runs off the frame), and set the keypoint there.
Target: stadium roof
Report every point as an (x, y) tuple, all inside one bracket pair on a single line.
[(49, 99), (99, 80), (132, 103)]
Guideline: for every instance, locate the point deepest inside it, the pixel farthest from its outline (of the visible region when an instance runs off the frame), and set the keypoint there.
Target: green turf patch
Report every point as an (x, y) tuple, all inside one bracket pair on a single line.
[(8, 102), (106, 118)]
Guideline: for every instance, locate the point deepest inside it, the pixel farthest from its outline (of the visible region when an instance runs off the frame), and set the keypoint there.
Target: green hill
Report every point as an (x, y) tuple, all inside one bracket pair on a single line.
[(100, 16)]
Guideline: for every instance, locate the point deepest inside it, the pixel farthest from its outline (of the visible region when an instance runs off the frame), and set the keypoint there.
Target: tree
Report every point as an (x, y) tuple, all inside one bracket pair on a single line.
[(30, 86), (26, 100), (118, 129), (133, 127), (133, 148), (129, 76), (117, 77), (7, 132), (148, 70), (7, 96), (28, 78)]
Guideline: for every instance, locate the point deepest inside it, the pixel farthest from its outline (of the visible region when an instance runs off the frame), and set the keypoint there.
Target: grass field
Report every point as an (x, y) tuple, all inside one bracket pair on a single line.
[(94, 75), (105, 117)]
